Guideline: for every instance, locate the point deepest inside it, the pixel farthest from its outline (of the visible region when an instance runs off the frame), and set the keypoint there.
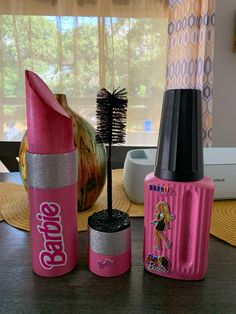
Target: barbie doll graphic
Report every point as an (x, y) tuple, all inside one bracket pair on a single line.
[(162, 221)]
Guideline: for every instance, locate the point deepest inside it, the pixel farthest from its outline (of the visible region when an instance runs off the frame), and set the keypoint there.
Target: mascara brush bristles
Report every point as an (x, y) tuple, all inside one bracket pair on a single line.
[(111, 116)]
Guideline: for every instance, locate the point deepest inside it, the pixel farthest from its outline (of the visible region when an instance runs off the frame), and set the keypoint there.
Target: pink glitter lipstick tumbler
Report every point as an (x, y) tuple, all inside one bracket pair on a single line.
[(51, 165), (177, 196)]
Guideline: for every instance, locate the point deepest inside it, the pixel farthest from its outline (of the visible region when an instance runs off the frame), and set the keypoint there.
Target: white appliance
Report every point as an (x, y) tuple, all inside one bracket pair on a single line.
[(219, 164)]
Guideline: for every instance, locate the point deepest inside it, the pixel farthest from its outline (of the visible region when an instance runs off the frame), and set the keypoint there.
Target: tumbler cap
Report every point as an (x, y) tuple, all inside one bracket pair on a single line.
[(180, 153)]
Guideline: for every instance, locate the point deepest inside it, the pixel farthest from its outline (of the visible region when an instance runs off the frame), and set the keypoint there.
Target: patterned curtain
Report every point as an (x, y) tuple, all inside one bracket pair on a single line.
[(190, 52)]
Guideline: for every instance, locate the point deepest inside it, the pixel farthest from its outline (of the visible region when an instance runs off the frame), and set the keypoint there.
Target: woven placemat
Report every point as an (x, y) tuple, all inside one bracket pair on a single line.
[(14, 203), (14, 209), (6, 191), (223, 221), (136, 210)]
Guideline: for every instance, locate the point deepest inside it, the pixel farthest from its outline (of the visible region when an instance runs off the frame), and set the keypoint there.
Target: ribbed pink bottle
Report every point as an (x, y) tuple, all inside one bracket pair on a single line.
[(177, 196)]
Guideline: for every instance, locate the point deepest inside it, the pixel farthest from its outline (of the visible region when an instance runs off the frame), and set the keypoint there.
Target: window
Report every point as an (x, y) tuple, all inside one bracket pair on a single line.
[(77, 55)]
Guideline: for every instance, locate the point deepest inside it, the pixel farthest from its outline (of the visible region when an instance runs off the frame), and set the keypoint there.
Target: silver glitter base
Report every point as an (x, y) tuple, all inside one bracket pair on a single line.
[(109, 243)]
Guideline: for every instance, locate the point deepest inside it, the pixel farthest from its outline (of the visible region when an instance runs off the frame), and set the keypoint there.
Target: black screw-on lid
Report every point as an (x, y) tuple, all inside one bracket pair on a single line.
[(180, 152)]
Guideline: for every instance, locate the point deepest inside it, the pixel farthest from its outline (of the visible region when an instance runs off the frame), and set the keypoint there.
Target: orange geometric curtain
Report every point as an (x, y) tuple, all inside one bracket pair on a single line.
[(190, 52)]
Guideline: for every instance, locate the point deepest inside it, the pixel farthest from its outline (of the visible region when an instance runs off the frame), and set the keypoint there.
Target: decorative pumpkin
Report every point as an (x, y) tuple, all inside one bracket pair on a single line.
[(91, 158)]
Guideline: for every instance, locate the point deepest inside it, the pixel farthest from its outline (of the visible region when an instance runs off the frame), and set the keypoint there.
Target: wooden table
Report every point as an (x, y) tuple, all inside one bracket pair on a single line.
[(137, 291)]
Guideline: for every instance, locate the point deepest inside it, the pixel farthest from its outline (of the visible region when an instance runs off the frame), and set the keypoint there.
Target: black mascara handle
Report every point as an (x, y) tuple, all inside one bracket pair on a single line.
[(109, 183)]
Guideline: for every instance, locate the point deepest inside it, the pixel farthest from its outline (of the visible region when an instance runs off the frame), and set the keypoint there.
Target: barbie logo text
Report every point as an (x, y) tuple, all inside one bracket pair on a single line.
[(51, 229), (163, 189)]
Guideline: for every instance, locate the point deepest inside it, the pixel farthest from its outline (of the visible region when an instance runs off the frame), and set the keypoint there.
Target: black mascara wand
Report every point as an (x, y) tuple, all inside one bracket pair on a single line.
[(111, 127)]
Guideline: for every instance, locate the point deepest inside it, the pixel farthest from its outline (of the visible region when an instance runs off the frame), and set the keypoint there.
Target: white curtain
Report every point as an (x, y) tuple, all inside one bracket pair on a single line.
[(79, 46)]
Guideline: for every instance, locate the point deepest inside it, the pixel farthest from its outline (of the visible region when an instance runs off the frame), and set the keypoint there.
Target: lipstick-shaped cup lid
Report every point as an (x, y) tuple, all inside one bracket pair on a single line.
[(180, 152), (49, 127)]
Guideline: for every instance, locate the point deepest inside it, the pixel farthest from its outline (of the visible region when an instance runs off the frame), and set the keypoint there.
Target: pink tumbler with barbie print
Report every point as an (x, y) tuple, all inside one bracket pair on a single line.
[(51, 164), (177, 196)]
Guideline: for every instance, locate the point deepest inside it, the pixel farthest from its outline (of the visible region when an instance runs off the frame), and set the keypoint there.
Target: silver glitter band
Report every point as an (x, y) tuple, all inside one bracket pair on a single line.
[(51, 170), (113, 243)]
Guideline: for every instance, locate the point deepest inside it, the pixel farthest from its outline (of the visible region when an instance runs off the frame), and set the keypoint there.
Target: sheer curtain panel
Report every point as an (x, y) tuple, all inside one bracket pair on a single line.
[(79, 46)]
